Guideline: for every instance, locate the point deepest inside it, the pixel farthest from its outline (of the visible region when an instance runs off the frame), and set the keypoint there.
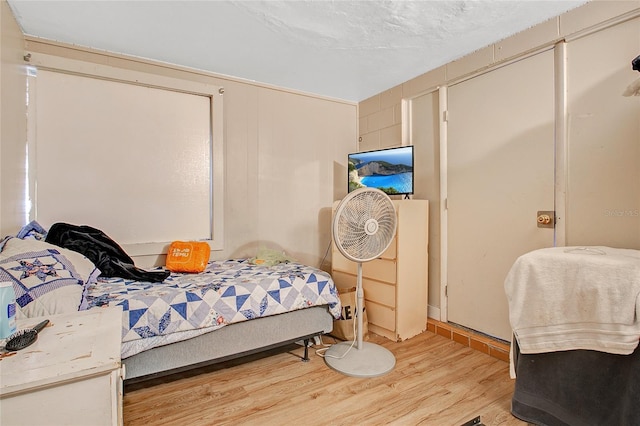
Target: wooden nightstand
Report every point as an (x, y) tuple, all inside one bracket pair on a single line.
[(71, 375)]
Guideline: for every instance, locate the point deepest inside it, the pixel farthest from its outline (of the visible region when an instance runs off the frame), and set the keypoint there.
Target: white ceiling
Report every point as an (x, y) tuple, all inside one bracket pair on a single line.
[(347, 50)]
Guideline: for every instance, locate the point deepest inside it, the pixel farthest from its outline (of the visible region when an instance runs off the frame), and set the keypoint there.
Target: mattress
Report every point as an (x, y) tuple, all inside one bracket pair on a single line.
[(227, 292)]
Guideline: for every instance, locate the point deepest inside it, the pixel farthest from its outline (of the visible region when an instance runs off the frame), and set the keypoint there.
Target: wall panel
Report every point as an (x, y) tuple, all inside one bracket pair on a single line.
[(278, 145)]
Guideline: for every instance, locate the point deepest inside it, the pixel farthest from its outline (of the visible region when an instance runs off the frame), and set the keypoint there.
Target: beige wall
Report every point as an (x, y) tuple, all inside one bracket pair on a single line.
[(12, 121), (285, 158), (268, 130), (382, 122)]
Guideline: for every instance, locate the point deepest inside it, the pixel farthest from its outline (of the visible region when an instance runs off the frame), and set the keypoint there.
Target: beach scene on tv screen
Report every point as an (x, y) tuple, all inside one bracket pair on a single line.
[(388, 170)]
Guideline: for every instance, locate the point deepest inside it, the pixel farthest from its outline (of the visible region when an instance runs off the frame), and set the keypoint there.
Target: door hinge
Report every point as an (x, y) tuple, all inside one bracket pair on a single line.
[(445, 115)]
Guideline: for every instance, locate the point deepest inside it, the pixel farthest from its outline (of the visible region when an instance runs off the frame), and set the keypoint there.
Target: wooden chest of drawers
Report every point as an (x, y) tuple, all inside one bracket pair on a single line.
[(395, 284)]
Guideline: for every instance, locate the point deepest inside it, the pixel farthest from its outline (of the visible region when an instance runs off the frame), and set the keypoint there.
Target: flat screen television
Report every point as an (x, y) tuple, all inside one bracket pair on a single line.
[(390, 170)]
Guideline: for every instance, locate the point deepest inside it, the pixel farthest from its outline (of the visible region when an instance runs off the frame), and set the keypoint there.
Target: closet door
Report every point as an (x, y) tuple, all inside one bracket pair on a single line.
[(500, 153), (603, 203)]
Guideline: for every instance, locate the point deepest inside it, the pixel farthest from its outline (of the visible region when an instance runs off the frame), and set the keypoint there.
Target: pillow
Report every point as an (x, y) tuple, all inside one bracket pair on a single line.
[(269, 257), (188, 256), (32, 231), (47, 279)]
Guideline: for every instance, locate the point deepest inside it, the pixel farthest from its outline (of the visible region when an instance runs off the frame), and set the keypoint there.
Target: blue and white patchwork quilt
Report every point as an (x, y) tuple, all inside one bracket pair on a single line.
[(226, 292)]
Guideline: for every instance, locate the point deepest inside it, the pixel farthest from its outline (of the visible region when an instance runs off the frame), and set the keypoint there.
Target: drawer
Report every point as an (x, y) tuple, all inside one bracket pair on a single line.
[(342, 263), (339, 262), (378, 292), (382, 316), (380, 270), (389, 334), (391, 251), (343, 280)]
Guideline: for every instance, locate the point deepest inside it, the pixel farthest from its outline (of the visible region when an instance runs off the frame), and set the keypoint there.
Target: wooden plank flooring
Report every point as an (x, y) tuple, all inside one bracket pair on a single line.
[(436, 381)]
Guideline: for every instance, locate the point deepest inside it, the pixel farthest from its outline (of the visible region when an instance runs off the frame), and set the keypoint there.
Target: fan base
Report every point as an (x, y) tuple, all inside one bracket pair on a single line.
[(370, 360)]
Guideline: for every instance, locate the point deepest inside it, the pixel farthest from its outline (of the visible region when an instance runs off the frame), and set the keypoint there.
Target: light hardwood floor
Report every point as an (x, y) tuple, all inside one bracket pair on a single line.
[(436, 381)]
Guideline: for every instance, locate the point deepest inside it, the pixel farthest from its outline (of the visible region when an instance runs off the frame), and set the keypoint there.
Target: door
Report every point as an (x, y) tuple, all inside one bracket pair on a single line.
[(500, 152), (603, 206)]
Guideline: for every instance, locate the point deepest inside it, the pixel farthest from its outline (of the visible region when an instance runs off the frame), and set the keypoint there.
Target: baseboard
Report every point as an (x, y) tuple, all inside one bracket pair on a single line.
[(433, 312), (479, 342)]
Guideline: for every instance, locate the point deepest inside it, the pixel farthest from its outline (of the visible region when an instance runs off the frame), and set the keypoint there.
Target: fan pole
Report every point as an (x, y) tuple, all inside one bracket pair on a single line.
[(360, 306)]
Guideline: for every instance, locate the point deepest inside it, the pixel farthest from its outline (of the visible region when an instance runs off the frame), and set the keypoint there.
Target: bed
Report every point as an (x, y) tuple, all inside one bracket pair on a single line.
[(575, 317), (233, 308)]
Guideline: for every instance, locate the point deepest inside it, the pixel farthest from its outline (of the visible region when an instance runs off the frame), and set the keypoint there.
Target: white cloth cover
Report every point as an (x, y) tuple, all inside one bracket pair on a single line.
[(566, 298)]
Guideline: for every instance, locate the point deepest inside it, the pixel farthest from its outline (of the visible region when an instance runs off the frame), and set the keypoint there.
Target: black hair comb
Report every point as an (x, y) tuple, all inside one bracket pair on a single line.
[(24, 338)]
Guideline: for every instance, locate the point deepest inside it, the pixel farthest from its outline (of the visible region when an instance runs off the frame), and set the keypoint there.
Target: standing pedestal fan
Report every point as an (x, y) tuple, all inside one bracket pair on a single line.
[(363, 227)]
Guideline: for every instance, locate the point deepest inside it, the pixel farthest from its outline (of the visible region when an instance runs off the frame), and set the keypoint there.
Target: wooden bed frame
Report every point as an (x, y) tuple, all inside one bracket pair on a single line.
[(231, 341)]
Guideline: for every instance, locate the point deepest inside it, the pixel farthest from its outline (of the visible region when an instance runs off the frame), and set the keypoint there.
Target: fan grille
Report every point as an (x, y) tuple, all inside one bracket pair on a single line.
[(364, 224)]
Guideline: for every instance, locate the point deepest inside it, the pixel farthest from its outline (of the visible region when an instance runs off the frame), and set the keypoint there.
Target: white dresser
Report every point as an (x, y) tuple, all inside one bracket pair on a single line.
[(72, 375), (395, 284)]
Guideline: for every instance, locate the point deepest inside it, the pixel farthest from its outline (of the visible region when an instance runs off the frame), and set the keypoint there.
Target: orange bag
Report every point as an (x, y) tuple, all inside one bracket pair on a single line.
[(188, 256)]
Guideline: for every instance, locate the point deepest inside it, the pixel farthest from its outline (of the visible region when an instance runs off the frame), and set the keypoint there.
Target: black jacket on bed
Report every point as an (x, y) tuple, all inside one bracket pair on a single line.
[(105, 253)]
